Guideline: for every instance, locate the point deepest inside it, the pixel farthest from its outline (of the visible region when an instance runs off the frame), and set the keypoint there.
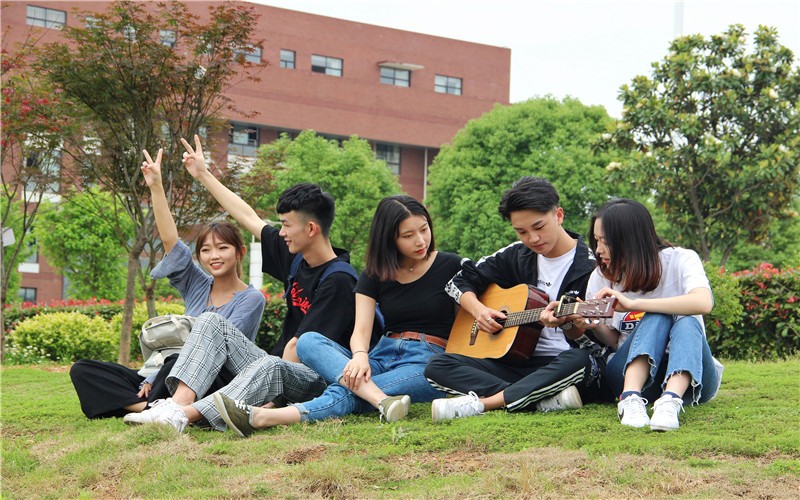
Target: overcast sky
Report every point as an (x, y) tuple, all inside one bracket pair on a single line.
[(583, 48)]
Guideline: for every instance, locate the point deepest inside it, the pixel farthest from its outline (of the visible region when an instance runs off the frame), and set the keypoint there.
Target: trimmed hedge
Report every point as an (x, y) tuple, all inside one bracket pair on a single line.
[(771, 320), (65, 337), (14, 313), (35, 345)]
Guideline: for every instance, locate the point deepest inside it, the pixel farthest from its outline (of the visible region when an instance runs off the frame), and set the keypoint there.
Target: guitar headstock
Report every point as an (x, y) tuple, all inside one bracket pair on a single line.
[(595, 308)]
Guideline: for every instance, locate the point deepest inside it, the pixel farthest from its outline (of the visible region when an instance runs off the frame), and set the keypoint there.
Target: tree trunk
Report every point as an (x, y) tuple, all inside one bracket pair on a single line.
[(725, 255), (130, 296), (150, 295)]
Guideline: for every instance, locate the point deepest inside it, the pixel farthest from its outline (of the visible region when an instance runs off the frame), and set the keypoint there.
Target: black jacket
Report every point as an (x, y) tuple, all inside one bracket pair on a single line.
[(516, 264)]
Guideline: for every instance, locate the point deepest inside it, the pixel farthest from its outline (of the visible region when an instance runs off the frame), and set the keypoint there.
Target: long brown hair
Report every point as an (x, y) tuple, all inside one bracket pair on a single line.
[(383, 257), (631, 239), (226, 232)]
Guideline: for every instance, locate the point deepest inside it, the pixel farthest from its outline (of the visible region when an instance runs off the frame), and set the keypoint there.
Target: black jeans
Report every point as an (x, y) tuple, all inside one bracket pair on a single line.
[(522, 385)]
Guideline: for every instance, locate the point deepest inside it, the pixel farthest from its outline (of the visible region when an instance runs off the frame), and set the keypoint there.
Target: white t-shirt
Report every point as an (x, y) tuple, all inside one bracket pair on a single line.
[(681, 271), (551, 274)]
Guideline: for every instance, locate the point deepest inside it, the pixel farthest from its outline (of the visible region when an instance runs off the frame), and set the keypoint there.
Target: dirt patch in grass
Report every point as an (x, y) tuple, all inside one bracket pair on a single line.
[(304, 454), (556, 473)]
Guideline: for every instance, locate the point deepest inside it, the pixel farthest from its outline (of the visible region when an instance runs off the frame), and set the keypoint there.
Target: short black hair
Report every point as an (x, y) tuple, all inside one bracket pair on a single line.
[(383, 257), (528, 193), (309, 200)]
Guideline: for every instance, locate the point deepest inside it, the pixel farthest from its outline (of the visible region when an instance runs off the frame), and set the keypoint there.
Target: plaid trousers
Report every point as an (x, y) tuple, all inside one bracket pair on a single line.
[(215, 342)]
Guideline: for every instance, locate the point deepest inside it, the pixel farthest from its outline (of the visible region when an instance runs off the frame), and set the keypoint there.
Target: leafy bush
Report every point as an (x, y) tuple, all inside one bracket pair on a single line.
[(14, 313), (724, 322), (65, 336), (139, 317), (771, 301), (272, 321)]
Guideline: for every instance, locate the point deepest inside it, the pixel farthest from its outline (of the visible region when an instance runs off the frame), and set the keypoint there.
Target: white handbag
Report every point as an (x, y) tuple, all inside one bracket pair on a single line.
[(162, 336)]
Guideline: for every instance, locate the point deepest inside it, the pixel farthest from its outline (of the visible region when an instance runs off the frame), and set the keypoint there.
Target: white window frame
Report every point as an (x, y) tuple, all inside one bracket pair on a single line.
[(253, 56), (168, 37), (448, 84), (395, 76), (243, 139), (332, 66), (285, 61), (389, 153), (45, 18)]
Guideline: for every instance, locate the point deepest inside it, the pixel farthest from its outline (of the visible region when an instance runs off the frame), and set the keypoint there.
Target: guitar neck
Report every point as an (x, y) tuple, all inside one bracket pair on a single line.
[(521, 317)]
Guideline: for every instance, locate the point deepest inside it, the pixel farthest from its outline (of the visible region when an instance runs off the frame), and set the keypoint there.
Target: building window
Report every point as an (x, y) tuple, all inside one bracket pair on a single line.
[(287, 59), (46, 18), (168, 38), (27, 294), (390, 154), (129, 32), (243, 139), (251, 54), (399, 77), (49, 163), (91, 22), (33, 246), (447, 85), (328, 65)]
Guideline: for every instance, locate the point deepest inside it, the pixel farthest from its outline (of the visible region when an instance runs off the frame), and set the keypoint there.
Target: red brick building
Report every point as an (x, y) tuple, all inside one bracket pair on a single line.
[(407, 93)]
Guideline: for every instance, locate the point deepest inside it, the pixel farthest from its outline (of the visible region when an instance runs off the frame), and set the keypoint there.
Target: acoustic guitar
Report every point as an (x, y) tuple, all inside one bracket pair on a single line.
[(523, 306)]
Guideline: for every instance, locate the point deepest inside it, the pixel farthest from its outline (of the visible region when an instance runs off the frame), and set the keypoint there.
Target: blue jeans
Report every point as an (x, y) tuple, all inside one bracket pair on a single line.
[(688, 352), (397, 368)]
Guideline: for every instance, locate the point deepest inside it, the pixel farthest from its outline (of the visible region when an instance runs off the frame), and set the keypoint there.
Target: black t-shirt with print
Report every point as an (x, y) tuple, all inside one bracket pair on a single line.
[(420, 306), (329, 309)]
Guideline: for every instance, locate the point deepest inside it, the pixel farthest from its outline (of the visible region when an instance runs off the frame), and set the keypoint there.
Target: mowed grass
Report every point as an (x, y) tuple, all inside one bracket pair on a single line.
[(746, 443)]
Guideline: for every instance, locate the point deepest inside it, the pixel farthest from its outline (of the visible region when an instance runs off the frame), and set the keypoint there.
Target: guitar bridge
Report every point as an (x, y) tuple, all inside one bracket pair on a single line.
[(473, 334)]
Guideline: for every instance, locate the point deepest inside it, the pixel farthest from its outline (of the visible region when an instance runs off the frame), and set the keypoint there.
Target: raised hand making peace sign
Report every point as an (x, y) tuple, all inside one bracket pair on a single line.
[(193, 159), (151, 170)]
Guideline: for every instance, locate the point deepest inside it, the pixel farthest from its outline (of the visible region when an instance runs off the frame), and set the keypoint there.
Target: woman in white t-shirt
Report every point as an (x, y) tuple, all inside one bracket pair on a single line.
[(662, 353)]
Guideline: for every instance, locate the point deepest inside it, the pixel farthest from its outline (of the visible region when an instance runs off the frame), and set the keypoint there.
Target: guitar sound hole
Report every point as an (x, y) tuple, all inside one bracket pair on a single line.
[(502, 322)]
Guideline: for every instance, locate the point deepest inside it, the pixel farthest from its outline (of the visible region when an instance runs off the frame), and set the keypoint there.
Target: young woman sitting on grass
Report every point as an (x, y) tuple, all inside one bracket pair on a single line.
[(111, 390), (665, 354), (406, 276)]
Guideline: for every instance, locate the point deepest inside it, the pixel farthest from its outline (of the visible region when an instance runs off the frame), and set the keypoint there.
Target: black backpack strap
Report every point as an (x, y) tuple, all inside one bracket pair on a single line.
[(338, 267), (298, 258)]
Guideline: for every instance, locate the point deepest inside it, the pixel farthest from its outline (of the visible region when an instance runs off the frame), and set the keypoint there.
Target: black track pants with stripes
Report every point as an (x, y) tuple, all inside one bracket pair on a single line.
[(522, 385)]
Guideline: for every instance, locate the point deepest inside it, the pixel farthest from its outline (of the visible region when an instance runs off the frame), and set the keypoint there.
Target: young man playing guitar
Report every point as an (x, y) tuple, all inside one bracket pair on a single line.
[(548, 257)]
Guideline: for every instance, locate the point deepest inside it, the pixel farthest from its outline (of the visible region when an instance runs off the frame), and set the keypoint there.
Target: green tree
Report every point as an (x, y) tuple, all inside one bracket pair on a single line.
[(81, 239), (714, 138), (12, 277), (349, 172), (139, 93), (542, 137), (33, 124)]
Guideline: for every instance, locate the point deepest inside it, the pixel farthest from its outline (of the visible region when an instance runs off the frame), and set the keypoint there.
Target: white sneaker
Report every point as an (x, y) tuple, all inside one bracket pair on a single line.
[(632, 411), (665, 413), (462, 406), (163, 411), (568, 399), (394, 408)]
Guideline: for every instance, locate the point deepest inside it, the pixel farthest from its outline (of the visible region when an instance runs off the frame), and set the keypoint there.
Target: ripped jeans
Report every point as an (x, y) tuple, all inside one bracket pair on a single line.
[(688, 352)]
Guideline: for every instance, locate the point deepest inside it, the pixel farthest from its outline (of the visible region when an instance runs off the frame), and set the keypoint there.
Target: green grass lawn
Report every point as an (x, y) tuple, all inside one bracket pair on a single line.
[(746, 443)]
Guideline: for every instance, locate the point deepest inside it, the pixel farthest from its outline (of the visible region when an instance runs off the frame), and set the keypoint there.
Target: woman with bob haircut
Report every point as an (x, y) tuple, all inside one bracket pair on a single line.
[(406, 276), (663, 354), (214, 293)]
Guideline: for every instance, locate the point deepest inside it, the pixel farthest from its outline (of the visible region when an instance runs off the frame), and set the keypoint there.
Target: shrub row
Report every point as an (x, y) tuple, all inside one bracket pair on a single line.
[(756, 315), (65, 331), (769, 324)]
